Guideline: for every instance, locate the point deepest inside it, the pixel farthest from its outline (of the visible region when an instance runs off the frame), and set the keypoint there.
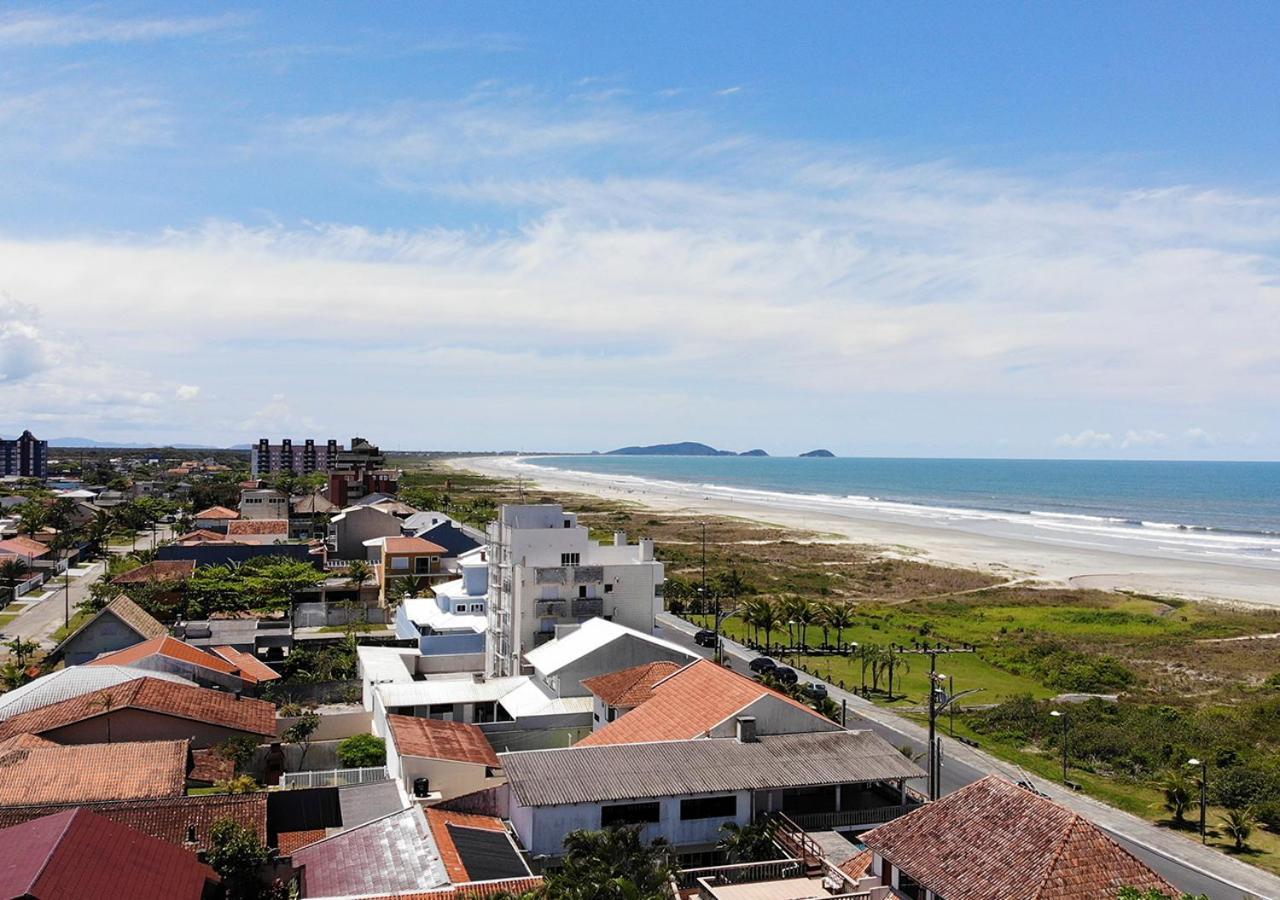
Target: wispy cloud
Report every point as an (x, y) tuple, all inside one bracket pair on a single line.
[(38, 28)]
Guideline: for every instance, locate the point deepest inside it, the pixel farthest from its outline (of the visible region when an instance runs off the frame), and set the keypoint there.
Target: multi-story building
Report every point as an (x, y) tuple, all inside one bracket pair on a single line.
[(359, 472), (545, 573), (24, 457), (264, 503), (286, 456)]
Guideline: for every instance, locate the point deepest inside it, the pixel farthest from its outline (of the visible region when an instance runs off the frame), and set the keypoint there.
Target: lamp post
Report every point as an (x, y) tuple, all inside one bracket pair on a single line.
[(1204, 792), (1057, 714)]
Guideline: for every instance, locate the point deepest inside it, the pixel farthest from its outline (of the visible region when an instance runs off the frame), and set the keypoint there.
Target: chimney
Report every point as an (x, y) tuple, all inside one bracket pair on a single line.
[(747, 730), (619, 539), (646, 549)]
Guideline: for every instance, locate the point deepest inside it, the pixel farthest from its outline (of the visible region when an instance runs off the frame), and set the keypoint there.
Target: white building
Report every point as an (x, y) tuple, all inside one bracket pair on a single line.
[(264, 504), (546, 573)]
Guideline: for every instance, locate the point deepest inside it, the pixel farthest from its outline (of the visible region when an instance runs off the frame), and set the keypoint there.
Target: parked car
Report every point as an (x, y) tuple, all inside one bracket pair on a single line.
[(762, 664), (705, 638), (816, 691), (785, 675)]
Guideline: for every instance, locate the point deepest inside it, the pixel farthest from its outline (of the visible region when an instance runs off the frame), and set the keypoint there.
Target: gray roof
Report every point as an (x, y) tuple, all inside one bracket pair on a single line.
[(361, 803), (709, 765), (388, 855)]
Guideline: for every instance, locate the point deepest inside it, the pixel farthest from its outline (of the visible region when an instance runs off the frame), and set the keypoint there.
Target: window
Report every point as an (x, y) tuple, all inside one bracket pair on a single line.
[(569, 559), (582, 592), (725, 807), (630, 814), (400, 562), (608, 589)]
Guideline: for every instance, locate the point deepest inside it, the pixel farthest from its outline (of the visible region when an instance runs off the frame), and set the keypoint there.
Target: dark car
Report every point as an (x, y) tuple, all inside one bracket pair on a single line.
[(816, 691), (705, 638), (785, 675), (762, 664)]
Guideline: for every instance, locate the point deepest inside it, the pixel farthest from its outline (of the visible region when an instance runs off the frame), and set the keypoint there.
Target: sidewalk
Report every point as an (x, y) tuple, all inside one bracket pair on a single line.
[(1249, 880)]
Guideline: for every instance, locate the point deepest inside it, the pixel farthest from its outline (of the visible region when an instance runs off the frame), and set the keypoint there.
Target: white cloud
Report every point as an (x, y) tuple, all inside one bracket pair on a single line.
[(187, 392), (1085, 440), (1147, 437), (24, 351), (36, 28), (725, 92)]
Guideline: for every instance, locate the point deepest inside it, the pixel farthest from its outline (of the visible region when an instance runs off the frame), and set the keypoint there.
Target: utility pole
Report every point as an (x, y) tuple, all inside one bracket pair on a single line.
[(1058, 714), (939, 699)]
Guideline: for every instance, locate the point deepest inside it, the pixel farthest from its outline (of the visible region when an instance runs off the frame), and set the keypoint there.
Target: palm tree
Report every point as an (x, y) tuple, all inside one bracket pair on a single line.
[(790, 609), (358, 572), (14, 571), (770, 618), (839, 616), (1239, 824), (1178, 795), (98, 532), (747, 843), (806, 614)]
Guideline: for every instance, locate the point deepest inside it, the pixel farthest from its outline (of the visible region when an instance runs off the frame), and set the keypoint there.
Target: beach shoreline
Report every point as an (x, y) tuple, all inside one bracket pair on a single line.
[(1043, 560)]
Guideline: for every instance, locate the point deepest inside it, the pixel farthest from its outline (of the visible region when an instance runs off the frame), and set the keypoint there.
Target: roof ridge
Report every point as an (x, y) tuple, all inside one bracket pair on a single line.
[(53, 847), (1052, 865)]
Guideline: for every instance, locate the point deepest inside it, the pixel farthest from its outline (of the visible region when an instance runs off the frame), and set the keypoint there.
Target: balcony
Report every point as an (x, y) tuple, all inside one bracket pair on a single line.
[(556, 608), (852, 818), (545, 575), (588, 607)]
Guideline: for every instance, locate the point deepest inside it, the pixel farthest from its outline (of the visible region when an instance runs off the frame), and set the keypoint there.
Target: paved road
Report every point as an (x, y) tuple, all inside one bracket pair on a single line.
[(1185, 863)]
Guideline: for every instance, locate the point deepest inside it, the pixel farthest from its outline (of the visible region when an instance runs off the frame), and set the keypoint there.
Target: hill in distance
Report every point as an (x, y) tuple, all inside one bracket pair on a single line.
[(684, 448), (818, 454)]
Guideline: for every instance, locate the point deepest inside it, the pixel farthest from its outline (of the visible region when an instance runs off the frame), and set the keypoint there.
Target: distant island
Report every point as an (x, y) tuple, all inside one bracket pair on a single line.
[(756, 452), (818, 454), (684, 448)]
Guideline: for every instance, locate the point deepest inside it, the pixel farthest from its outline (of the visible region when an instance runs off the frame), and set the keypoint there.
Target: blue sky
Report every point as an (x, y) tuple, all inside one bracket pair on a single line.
[(919, 229)]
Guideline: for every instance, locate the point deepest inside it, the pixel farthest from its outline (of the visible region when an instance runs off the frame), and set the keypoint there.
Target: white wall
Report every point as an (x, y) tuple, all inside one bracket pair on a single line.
[(775, 716)]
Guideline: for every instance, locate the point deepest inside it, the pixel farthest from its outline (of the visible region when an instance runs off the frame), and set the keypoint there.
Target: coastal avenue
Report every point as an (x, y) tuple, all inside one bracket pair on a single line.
[(1185, 863)]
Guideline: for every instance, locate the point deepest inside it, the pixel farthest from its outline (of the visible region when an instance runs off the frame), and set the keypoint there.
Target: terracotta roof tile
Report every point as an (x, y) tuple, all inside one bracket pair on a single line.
[(992, 840), (217, 512), (251, 668), (78, 853), (258, 526), (857, 865), (33, 774), (439, 820), (154, 695), (171, 648), (160, 570), (629, 688), (21, 546), (290, 841), (209, 766), (414, 545), (469, 891), (170, 819), (437, 739), (201, 536), (688, 704)]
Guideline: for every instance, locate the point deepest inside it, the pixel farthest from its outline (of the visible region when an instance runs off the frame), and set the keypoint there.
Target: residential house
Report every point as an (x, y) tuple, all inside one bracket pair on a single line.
[(266, 639), (617, 693), (24, 457), (994, 840), (545, 572), (264, 504), (460, 542), (165, 577), (74, 681), (435, 760), (594, 648), (406, 561), (707, 700), (120, 624), (39, 771), (453, 622), (258, 531), (215, 518), (351, 528), (183, 821), (685, 791), (78, 853), (309, 516), (148, 709), (33, 553), (221, 667), (425, 520)]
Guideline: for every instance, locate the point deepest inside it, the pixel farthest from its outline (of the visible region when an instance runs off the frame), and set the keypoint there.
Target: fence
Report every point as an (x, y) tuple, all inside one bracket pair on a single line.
[(335, 777), (320, 614)]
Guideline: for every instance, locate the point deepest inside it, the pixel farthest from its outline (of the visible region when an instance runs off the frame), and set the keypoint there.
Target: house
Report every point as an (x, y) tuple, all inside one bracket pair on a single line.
[(706, 700), (309, 516), (459, 542), (993, 840), (425, 520), (78, 853), (215, 518), (148, 709), (120, 624), (546, 572), (263, 638), (75, 681), (24, 548), (438, 632), (201, 536), (685, 791), (349, 530), (435, 760), (406, 560), (39, 771), (620, 692), (221, 667), (596, 647), (180, 820), (258, 531), (264, 503)]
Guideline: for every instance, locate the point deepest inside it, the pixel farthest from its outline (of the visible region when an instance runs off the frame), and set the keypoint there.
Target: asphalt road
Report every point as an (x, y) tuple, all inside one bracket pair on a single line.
[(1188, 866)]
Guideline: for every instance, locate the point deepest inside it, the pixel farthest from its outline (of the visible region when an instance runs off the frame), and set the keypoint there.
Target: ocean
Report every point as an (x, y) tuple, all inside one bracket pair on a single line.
[(1224, 509)]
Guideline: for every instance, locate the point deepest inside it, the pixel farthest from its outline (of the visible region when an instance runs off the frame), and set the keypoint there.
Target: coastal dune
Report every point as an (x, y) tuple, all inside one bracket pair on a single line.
[(1053, 554)]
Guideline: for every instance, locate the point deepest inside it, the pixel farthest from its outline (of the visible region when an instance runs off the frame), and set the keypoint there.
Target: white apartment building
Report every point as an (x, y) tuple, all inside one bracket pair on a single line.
[(546, 573)]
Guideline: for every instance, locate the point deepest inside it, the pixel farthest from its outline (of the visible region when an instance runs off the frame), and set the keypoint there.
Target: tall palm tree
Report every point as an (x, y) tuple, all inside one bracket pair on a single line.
[(790, 609), (824, 609), (839, 616), (806, 614), (770, 618)]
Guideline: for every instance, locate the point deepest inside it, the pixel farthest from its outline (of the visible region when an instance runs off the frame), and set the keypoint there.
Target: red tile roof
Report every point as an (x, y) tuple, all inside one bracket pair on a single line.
[(21, 546), (39, 773), (201, 536), (437, 739), (290, 841), (217, 512), (160, 570), (208, 766), (168, 818), (472, 890), (78, 853), (172, 648), (629, 688), (166, 698), (417, 545), (856, 866), (439, 820), (689, 704), (258, 526), (251, 668), (992, 840)]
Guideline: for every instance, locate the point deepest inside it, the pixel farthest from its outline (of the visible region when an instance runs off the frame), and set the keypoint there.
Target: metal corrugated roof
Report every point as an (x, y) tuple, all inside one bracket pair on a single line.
[(671, 768)]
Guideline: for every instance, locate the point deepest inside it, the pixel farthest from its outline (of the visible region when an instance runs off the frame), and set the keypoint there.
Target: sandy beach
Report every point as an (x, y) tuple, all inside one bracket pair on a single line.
[(1047, 557)]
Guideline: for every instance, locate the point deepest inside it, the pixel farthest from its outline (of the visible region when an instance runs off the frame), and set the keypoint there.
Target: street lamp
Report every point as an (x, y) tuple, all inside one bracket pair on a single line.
[(1063, 716), (1204, 792)]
